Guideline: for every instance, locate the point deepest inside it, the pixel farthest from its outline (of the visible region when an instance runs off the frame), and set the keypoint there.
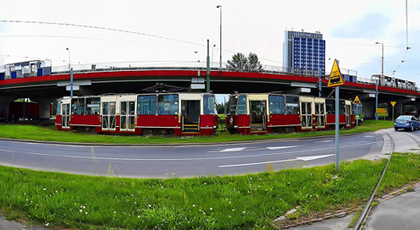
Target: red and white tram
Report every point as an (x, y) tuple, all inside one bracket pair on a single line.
[(157, 113), (278, 113)]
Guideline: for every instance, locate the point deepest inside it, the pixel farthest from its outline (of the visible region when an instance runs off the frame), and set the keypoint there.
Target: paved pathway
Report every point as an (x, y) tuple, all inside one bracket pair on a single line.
[(401, 212)]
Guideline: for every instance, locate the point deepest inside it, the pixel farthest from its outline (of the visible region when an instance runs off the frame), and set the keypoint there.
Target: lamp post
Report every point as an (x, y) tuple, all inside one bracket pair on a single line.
[(71, 76), (377, 81), (220, 6)]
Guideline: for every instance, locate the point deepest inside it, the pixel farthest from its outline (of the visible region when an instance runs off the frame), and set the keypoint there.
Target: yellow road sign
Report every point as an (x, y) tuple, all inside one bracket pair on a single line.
[(335, 77), (393, 103), (381, 110), (357, 100)]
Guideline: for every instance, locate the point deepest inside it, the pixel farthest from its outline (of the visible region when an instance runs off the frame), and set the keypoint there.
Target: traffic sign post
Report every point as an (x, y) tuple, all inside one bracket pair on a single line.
[(382, 111), (335, 81), (393, 104), (357, 102)]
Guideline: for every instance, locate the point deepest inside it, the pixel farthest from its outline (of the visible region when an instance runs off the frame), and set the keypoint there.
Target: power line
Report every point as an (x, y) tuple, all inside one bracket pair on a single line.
[(101, 28), (406, 37), (104, 28)]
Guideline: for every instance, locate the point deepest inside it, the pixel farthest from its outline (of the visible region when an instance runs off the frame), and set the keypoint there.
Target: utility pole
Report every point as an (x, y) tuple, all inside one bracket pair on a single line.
[(208, 68)]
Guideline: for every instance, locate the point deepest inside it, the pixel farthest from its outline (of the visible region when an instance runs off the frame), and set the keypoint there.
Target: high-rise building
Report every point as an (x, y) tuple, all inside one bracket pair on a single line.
[(304, 52)]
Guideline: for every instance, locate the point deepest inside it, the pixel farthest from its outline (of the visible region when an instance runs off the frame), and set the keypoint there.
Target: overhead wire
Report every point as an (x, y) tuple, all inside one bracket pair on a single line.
[(109, 29), (101, 28), (406, 37)]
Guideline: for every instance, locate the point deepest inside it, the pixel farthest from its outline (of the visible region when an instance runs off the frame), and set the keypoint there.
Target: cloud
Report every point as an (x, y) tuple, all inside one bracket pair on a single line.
[(370, 26)]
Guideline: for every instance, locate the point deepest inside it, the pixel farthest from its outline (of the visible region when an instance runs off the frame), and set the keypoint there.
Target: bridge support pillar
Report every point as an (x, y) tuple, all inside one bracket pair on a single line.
[(369, 109), (44, 107), (4, 107)]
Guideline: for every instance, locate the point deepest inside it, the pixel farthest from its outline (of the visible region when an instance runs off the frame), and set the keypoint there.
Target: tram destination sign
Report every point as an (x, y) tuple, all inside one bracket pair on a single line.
[(335, 77)]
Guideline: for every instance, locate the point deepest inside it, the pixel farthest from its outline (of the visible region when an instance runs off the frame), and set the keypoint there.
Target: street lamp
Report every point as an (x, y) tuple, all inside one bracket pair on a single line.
[(377, 81), (71, 76), (220, 6)]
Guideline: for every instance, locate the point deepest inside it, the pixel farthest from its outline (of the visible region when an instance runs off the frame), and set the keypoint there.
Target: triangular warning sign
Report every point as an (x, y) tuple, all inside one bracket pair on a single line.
[(335, 78), (357, 100)]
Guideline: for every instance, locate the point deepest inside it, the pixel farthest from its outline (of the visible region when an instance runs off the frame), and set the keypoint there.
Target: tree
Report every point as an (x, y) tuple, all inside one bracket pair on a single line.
[(254, 64), (240, 63)]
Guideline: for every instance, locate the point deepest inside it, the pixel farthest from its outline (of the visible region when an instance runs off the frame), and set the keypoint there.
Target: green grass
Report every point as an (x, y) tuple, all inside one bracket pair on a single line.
[(39, 133), (239, 202)]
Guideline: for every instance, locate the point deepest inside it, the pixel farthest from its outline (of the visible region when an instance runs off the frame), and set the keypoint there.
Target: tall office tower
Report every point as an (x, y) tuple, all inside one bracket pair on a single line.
[(304, 52)]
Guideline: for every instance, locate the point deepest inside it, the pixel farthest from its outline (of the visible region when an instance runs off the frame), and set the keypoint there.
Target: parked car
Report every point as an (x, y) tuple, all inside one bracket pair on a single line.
[(407, 122)]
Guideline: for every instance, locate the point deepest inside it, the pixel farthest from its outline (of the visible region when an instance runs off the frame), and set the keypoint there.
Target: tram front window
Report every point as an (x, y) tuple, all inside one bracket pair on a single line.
[(237, 105)]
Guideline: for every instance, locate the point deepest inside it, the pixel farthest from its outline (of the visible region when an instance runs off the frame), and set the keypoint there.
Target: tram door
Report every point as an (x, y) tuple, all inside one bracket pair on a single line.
[(65, 117), (306, 114), (108, 116), (319, 113), (190, 115), (258, 112), (128, 116), (348, 114)]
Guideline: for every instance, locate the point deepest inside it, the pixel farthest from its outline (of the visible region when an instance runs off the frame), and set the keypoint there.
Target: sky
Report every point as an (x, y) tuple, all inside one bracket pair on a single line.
[(167, 32)]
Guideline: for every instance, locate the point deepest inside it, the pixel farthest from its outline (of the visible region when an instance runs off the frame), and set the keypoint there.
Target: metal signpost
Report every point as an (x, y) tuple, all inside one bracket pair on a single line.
[(357, 102), (336, 80), (393, 104)]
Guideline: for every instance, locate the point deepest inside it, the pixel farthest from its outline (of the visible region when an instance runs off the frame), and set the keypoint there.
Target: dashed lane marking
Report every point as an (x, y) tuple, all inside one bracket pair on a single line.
[(281, 147)]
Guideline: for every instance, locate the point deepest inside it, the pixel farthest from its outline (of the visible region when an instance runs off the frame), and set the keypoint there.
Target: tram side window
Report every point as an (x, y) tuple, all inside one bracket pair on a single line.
[(78, 106), (58, 108), (342, 107), (330, 105), (292, 105), (93, 105), (208, 105), (168, 104), (146, 105), (276, 104)]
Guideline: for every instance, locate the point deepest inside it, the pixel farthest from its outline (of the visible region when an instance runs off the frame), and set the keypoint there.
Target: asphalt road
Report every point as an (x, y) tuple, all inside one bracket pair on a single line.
[(185, 160)]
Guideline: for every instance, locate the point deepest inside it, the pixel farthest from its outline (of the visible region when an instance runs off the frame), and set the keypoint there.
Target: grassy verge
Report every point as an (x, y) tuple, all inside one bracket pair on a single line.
[(28, 132), (238, 202)]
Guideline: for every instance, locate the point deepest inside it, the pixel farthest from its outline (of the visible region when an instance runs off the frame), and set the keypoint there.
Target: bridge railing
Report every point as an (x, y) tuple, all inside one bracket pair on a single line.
[(196, 66)]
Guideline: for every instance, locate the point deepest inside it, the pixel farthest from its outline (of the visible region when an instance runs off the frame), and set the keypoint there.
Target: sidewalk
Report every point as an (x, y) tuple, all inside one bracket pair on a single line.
[(12, 225)]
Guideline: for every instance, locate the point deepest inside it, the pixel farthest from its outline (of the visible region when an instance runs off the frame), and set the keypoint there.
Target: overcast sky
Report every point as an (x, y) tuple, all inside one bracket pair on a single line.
[(176, 31)]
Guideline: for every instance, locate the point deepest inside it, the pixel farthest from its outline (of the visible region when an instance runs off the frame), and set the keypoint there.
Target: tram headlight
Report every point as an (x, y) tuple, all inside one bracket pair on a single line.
[(231, 120)]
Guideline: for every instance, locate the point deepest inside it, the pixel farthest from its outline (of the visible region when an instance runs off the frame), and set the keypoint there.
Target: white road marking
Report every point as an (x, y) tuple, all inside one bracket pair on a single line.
[(233, 150), (256, 163), (325, 141), (39, 154), (369, 136), (281, 147), (308, 158)]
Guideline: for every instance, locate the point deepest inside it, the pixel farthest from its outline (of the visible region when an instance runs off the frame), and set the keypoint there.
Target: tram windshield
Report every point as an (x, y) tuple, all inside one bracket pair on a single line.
[(237, 105)]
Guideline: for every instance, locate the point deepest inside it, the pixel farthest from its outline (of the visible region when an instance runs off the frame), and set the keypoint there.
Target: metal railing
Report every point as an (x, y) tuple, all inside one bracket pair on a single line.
[(198, 66)]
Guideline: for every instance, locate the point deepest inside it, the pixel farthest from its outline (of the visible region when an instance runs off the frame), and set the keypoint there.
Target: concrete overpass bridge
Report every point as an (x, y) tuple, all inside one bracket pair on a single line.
[(93, 81)]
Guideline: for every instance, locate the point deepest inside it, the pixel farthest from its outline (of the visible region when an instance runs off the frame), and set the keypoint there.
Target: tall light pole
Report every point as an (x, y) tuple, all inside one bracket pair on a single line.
[(220, 6), (71, 75), (377, 81)]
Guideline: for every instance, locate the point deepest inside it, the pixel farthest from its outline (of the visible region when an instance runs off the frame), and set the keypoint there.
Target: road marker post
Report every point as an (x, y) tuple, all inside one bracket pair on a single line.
[(336, 79), (393, 104)]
